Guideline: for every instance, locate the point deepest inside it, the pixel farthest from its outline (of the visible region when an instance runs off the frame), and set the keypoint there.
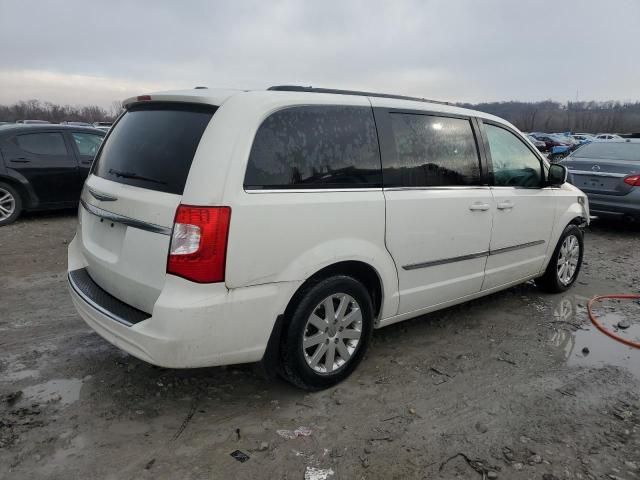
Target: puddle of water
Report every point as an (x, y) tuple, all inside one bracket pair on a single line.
[(65, 390), (602, 349)]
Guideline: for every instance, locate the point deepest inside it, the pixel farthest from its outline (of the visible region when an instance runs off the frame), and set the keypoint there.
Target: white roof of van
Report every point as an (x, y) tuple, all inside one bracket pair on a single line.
[(218, 96)]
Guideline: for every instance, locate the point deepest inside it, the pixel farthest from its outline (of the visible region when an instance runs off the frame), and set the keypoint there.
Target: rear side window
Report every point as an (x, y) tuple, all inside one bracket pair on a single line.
[(315, 147), (431, 151), (152, 146), (87, 143), (42, 143)]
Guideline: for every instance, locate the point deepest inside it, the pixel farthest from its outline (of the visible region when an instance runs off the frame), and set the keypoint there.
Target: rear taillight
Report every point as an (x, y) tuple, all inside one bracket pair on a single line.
[(198, 248), (633, 180)]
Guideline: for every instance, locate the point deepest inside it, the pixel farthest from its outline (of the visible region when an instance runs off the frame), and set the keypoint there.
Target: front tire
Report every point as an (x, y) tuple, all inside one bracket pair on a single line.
[(328, 333), (10, 204), (564, 266)]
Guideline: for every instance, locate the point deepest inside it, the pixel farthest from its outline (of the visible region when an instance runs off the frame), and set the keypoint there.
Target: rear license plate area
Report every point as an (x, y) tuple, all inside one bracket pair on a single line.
[(597, 183), (104, 237)]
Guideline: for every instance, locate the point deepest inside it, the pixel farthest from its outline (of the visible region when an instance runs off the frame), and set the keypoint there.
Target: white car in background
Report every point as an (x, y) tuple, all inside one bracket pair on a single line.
[(283, 226), (608, 136), (583, 137)]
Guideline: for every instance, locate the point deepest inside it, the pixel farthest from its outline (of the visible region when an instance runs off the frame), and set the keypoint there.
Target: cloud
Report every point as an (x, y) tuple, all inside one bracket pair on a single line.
[(464, 50), (64, 88)]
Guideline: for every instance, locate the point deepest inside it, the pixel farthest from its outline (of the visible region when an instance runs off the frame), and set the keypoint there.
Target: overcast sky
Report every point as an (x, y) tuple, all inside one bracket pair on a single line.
[(85, 51)]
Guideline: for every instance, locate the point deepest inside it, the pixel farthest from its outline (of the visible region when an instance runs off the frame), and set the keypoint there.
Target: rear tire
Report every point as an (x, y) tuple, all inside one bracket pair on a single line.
[(10, 204), (565, 263), (328, 333)]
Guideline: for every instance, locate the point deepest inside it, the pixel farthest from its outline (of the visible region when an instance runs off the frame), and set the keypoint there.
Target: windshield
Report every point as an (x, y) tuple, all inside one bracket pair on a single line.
[(152, 146), (610, 150)]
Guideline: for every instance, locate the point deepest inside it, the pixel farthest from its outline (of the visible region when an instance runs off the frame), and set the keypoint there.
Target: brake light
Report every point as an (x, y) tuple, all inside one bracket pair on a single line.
[(633, 180), (198, 248), (144, 98)]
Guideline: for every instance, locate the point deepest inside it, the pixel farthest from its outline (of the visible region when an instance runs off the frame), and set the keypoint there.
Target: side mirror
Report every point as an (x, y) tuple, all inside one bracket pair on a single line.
[(557, 175)]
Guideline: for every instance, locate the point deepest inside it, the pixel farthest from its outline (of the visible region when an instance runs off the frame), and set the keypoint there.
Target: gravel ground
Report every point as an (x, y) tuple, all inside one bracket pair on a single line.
[(517, 385)]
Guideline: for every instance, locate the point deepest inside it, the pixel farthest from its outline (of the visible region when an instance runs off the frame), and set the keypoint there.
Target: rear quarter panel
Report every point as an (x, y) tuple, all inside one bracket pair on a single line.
[(282, 236), (277, 237)]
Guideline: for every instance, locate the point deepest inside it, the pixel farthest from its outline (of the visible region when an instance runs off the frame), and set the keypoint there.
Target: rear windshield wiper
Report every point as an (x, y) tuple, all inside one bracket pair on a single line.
[(121, 174)]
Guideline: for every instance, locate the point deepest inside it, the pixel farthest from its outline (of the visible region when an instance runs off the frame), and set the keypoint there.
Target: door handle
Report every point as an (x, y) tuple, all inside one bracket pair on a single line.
[(20, 160), (506, 205), (479, 207)]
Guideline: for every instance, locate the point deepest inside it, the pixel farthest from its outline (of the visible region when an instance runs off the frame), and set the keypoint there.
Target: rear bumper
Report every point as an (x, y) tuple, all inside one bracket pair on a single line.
[(81, 283), (192, 325), (615, 205)]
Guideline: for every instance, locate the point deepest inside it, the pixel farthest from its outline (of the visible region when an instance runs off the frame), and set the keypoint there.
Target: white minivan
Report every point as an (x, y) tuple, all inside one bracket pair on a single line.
[(284, 225)]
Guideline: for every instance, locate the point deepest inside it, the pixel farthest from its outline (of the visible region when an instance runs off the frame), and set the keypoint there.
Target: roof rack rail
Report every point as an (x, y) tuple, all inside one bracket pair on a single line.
[(299, 88)]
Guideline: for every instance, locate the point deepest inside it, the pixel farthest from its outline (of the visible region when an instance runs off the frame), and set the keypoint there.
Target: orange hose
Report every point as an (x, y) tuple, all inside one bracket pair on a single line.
[(626, 341)]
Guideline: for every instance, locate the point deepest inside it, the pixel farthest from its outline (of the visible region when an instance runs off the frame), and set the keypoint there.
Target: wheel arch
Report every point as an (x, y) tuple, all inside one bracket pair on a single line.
[(29, 200), (572, 218), (361, 271), (578, 221)]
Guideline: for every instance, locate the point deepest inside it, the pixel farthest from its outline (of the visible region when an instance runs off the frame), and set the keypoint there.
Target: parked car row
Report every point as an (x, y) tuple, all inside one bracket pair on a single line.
[(559, 145), (43, 166), (99, 125), (605, 166)]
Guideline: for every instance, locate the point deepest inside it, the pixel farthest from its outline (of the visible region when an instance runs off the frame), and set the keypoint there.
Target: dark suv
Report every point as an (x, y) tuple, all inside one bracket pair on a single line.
[(43, 166)]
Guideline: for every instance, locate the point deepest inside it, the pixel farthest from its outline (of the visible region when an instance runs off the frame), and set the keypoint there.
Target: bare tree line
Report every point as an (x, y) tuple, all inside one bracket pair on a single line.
[(546, 116), (550, 116), (37, 110)]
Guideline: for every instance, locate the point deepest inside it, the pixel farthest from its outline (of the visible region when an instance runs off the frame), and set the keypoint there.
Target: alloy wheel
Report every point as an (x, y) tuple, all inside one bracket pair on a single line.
[(568, 259), (7, 204), (332, 333)]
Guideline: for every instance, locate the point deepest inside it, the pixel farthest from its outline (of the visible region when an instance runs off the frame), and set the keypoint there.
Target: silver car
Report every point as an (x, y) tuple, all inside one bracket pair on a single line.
[(609, 173)]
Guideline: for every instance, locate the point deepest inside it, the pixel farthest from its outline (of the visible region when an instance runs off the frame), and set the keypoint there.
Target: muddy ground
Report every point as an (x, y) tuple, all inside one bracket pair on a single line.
[(499, 386)]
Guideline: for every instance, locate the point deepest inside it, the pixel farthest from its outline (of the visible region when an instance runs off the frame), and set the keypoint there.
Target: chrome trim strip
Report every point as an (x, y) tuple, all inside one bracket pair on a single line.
[(366, 189), (103, 197), (131, 222), (443, 261), (471, 256), (452, 187), (516, 247), (597, 174), (94, 305), (498, 187), (310, 190)]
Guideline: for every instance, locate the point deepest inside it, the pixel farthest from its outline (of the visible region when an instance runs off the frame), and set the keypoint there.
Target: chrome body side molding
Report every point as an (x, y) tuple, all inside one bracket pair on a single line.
[(471, 256)]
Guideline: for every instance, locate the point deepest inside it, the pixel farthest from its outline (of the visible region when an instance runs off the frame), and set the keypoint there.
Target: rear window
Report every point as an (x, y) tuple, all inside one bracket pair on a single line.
[(152, 146), (610, 150), (315, 147)]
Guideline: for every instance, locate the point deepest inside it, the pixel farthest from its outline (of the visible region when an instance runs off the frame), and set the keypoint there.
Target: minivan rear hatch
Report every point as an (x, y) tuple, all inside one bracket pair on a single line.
[(130, 199)]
